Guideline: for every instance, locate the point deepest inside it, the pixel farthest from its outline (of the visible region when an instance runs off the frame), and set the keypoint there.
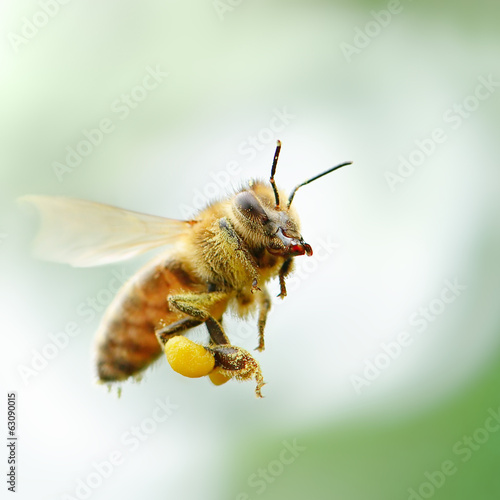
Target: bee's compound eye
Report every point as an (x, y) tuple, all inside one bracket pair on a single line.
[(249, 206), (188, 358)]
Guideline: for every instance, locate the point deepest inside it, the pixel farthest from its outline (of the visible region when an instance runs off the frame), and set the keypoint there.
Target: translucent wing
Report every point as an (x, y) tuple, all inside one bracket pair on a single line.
[(85, 233)]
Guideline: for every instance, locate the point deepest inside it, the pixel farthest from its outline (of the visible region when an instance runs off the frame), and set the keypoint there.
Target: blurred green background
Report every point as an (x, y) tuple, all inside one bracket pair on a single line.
[(382, 364)]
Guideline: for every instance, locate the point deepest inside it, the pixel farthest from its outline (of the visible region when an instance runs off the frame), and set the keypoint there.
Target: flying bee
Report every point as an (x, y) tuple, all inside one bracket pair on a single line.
[(221, 259)]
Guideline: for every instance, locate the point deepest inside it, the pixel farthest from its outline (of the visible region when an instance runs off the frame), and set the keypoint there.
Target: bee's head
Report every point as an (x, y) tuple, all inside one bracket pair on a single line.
[(267, 221), (264, 224)]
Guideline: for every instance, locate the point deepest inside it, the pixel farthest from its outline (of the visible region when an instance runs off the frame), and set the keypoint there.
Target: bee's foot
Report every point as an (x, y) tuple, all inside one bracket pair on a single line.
[(239, 364)]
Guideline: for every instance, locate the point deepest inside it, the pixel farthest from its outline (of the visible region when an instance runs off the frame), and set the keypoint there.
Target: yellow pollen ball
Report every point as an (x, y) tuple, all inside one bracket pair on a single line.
[(217, 377), (188, 358)]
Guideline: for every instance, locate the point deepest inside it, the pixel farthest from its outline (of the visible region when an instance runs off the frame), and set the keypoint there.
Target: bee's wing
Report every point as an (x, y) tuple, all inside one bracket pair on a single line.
[(85, 233)]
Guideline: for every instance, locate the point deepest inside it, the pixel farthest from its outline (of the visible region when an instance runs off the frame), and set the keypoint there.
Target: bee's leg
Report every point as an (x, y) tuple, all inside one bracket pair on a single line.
[(192, 304), (177, 328), (216, 332), (265, 306), (285, 270), (246, 259), (233, 361), (197, 305), (237, 363)]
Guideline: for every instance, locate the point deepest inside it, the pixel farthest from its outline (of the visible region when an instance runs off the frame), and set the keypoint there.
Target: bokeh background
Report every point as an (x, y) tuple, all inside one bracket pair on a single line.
[(382, 364)]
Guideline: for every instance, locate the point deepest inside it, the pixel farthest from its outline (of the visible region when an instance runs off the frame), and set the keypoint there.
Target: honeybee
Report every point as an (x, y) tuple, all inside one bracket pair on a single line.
[(221, 259)]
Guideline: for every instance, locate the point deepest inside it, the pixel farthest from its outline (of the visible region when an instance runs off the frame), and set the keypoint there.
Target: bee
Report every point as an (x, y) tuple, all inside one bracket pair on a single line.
[(220, 260)]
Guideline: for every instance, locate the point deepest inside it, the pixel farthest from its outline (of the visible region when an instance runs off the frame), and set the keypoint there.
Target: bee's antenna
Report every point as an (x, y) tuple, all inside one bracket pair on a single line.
[(290, 199), (273, 171)]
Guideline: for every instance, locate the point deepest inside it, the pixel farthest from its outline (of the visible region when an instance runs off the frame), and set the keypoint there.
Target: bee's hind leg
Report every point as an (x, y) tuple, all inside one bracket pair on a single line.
[(265, 306), (177, 328), (235, 362), (197, 305), (230, 360)]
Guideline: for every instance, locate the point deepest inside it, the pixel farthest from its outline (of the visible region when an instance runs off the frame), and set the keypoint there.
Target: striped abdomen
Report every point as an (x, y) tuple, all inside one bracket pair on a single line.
[(126, 342)]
